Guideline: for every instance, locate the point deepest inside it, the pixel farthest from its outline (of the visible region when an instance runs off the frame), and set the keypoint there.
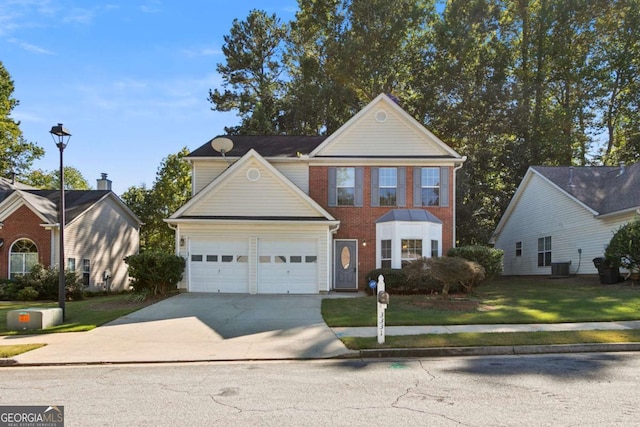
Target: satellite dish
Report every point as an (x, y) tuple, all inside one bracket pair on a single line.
[(222, 145)]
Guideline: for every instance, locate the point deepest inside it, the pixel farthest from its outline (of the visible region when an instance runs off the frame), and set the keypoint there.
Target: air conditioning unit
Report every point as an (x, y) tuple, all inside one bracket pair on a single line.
[(560, 269)]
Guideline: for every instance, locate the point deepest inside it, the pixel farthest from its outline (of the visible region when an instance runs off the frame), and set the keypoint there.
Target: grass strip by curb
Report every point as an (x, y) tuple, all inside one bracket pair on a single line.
[(14, 350), (494, 339)]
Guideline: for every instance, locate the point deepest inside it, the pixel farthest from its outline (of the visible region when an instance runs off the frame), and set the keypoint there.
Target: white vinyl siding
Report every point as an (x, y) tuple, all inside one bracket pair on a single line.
[(542, 210), (239, 196), (205, 171), (105, 234), (369, 137)]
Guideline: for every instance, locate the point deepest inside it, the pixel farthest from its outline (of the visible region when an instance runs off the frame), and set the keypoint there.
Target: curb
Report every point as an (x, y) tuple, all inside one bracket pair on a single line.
[(499, 350), (387, 353)]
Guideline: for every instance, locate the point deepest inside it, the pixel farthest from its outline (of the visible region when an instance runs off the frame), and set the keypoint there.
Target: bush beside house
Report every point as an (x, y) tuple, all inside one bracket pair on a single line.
[(432, 276), (624, 247), (154, 273), (41, 284)]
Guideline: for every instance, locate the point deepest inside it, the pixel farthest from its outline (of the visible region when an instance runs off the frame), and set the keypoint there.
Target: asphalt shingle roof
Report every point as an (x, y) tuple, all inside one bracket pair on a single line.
[(266, 146), (46, 201), (605, 189)]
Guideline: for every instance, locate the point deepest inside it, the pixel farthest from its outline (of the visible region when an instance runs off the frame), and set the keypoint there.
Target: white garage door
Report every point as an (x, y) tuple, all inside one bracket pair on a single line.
[(287, 267), (219, 266)]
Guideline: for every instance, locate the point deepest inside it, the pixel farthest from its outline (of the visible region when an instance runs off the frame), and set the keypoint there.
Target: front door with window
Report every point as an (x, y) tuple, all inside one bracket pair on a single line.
[(346, 265)]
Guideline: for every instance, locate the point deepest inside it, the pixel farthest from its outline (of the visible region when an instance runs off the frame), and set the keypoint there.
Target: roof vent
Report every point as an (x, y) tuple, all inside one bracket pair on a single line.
[(621, 171), (571, 184)]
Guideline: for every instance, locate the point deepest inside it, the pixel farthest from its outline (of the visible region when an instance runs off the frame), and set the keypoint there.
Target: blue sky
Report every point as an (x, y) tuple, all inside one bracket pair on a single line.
[(128, 78)]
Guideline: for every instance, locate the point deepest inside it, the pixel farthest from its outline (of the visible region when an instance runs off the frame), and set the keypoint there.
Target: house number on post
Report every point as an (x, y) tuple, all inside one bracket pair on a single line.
[(383, 300)]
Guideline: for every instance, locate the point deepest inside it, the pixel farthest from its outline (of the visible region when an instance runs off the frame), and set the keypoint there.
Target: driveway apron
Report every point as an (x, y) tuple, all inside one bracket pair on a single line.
[(199, 327)]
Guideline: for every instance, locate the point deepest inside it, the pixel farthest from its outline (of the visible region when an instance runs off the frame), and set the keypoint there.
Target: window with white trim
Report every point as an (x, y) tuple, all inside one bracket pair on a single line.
[(435, 249), (430, 184), (23, 256), (544, 251), (346, 186), (388, 186), (385, 254), (411, 250), (86, 271)]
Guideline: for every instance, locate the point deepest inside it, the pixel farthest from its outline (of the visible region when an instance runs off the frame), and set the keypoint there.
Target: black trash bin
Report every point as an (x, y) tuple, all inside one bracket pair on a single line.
[(609, 274)]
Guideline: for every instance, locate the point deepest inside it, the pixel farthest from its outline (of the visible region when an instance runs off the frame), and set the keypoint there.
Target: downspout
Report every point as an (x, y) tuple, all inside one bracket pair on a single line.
[(176, 238), (455, 192)]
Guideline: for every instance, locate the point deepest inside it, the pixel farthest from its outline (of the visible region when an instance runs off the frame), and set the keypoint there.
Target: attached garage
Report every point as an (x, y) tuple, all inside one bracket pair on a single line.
[(251, 230), (287, 266), (219, 266)]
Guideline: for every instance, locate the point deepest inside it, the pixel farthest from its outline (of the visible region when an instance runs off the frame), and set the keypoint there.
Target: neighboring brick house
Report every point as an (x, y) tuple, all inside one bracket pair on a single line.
[(100, 230), (298, 214)]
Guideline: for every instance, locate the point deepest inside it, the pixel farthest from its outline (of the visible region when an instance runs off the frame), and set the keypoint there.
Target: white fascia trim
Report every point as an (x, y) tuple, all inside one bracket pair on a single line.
[(178, 221), (363, 161)]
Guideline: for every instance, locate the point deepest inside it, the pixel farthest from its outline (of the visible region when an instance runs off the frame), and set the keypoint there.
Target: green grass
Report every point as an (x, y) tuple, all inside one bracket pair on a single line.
[(508, 300), (494, 339), (14, 350), (80, 316)]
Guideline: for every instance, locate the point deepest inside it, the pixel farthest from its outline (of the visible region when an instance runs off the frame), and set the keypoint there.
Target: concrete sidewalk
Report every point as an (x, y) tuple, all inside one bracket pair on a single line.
[(454, 329)]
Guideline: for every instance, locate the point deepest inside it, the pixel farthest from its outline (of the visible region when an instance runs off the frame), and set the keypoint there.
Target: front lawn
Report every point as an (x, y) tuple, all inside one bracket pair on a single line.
[(505, 300), (81, 315)]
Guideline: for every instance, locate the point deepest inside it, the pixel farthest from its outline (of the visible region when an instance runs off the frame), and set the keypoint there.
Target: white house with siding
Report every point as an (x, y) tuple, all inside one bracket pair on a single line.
[(561, 218)]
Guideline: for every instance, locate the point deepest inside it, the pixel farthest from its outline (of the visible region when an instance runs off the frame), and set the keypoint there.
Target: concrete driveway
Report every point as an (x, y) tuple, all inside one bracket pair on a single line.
[(199, 327)]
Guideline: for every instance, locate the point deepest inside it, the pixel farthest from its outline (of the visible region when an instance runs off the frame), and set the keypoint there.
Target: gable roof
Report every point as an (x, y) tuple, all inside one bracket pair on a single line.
[(390, 124), (604, 189), (266, 146), (44, 203), (307, 208), (422, 143)]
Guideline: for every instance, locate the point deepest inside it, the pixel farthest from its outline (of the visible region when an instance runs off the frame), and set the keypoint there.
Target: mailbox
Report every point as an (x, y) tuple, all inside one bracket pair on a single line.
[(383, 297)]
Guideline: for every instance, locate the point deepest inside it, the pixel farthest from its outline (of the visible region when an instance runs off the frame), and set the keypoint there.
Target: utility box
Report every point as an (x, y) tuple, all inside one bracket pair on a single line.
[(33, 318)]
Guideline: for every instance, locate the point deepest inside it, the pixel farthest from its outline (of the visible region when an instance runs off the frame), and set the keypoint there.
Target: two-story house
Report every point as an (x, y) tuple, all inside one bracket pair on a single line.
[(298, 214)]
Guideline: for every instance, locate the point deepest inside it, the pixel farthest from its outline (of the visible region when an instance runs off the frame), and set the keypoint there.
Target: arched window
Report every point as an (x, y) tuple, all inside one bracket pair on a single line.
[(23, 256)]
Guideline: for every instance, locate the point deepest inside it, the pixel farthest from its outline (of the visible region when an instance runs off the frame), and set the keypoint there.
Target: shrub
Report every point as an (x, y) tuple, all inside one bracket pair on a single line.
[(489, 258), (155, 272), (45, 282), (452, 273), (419, 279), (395, 280), (624, 247), (8, 290), (27, 294)]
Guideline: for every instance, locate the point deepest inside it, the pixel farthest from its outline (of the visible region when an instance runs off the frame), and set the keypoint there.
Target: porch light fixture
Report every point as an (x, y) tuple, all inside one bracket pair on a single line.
[(364, 242), (61, 137)]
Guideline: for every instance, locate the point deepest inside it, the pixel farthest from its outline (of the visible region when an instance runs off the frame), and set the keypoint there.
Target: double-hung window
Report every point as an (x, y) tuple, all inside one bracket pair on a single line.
[(385, 253), (346, 186), (430, 184), (544, 251), (86, 272), (388, 186)]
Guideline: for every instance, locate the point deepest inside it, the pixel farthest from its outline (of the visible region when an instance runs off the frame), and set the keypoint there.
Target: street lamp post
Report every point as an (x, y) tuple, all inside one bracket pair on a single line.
[(59, 133)]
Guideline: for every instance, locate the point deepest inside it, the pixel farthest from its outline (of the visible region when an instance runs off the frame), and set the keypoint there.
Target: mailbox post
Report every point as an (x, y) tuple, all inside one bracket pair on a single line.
[(383, 300)]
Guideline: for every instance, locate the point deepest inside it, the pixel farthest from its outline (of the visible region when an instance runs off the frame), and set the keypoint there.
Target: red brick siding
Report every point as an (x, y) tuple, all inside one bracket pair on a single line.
[(24, 224), (360, 223)]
